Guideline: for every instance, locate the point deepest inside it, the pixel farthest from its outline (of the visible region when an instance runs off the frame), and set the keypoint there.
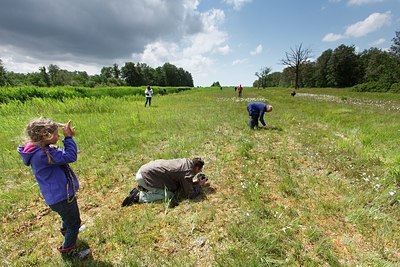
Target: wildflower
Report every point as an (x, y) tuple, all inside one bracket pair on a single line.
[(377, 186)]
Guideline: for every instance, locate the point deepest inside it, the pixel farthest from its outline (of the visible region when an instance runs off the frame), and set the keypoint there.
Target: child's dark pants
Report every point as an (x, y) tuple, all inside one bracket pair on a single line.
[(71, 220)]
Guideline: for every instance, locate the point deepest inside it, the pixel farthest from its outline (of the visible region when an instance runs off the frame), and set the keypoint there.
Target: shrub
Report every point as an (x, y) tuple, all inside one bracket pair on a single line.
[(395, 88), (372, 87)]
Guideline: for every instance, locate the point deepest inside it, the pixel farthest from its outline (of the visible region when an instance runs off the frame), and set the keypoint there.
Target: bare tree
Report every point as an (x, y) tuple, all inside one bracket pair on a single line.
[(262, 76), (295, 59)]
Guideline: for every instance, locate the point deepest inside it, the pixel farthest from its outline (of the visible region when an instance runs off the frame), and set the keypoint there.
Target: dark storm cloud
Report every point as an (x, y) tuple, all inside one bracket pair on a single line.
[(97, 29)]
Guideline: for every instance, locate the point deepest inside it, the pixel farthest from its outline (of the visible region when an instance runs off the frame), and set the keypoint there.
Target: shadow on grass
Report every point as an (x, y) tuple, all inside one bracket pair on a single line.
[(269, 128), (273, 128), (87, 261), (152, 106), (206, 190)]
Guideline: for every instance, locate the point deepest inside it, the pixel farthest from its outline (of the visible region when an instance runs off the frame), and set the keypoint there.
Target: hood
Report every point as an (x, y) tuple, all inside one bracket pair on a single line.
[(27, 151)]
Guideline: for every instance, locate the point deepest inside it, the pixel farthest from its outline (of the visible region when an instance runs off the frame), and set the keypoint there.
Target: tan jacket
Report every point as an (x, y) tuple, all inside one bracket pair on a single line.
[(175, 174)]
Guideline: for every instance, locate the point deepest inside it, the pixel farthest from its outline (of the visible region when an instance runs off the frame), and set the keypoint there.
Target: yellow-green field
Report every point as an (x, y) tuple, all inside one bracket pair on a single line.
[(321, 188)]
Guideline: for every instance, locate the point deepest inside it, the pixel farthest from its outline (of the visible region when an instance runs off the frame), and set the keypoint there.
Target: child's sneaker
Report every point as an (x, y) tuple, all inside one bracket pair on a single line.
[(83, 254), (68, 251), (133, 197), (82, 228)]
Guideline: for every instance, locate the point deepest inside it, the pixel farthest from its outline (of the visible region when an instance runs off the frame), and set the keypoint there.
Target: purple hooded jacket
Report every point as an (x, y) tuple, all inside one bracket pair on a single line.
[(53, 180)]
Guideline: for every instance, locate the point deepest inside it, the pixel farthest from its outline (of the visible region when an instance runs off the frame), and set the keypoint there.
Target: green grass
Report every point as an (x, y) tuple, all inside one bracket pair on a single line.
[(320, 188)]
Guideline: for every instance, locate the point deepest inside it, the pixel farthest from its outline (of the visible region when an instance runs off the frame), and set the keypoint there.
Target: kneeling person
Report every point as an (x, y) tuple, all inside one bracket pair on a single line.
[(161, 179)]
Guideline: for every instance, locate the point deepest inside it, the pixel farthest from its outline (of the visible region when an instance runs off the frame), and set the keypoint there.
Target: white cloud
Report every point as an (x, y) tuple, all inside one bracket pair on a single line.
[(155, 54), (373, 23), (378, 42), (198, 64), (10, 59), (362, 2), (258, 50), (332, 37), (223, 50), (211, 37), (193, 52), (237, 4), (239, 61), (362, 28), (17, 60), (191, 4)]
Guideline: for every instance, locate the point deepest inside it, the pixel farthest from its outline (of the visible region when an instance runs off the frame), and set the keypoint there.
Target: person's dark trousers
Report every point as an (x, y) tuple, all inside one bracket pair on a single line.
[(253, 121), (148, 100), (71, 220)]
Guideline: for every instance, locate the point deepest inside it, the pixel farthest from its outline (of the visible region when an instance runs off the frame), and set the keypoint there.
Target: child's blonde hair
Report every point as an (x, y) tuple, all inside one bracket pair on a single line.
[(40, 130)]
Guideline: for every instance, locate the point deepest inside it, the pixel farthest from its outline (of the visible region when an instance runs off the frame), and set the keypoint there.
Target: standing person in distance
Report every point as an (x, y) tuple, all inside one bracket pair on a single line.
[(149, 93), (57, 182), (256, 112), (240, 90)]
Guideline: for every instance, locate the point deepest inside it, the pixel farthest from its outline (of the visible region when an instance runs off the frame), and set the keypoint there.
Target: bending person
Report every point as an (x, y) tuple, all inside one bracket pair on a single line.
[(256, 112), (163, 179)]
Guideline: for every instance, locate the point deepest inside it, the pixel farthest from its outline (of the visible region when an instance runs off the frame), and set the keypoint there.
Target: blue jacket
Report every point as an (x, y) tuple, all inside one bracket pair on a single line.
[(257, 109), (53, 178)]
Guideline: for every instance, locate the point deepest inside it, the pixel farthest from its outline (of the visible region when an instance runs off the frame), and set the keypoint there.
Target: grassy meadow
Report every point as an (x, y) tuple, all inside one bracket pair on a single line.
[(321, 188)]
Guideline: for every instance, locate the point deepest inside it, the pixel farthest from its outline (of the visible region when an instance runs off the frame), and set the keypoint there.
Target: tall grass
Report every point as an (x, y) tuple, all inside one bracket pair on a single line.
[(61, 93), (320, 188)]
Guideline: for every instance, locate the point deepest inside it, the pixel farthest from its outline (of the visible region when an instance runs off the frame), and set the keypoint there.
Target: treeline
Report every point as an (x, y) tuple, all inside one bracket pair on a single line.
[(371, 70), (130, 74)]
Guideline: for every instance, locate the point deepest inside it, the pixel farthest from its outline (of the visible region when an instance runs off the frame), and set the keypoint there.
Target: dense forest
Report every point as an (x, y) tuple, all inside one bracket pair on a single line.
[(371, 70), (130, 74)]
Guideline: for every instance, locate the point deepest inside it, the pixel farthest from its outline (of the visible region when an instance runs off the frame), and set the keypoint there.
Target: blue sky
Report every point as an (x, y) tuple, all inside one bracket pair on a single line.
[(216, 40)]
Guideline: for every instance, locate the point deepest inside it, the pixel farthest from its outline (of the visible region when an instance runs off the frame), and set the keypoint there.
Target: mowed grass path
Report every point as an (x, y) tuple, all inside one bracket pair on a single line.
[(319, 189)]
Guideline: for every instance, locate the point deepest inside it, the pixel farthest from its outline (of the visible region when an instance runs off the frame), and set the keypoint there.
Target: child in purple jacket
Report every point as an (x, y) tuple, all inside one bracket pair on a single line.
[(50, 165)]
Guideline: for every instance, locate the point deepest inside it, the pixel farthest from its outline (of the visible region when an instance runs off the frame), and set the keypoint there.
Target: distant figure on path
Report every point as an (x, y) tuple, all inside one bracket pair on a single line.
[(256, 112), (149, 93), (293, 93), (163, 179), (240, 90)]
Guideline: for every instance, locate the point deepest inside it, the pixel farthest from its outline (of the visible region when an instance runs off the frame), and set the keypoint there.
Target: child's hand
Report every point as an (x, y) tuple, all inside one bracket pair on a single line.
[(67, 130)]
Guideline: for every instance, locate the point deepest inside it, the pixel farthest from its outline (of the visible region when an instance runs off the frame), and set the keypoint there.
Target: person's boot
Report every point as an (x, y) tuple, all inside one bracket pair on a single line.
[(133, 197)]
